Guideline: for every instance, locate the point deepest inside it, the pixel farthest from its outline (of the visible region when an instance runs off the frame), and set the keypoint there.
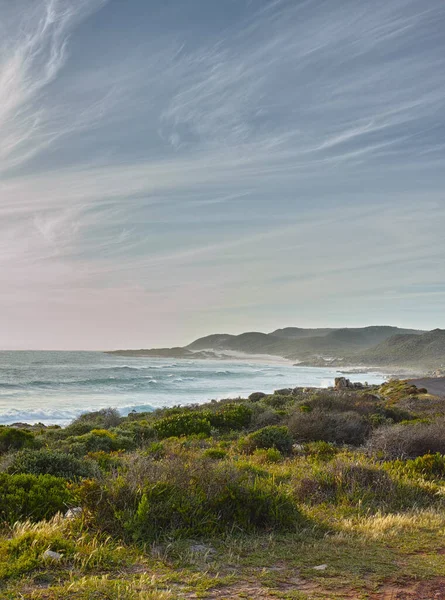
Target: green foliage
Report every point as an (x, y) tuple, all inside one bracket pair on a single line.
[(181, 499), (277, 400), (98, 440), (215, 453), (361, 486), (15, 439), (156, 450), (271, 455), (321, 450), (32, 497), (272, 436), (178, 425), (51, 462), (107, 461), (105, 418), (230, 417), (429, 466)]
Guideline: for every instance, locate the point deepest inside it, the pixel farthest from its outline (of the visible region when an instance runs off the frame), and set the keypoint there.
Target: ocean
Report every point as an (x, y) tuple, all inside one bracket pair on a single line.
[(56, 387)]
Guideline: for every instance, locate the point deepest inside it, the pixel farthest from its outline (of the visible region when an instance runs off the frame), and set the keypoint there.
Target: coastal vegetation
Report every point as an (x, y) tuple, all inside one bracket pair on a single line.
[(303, 493)]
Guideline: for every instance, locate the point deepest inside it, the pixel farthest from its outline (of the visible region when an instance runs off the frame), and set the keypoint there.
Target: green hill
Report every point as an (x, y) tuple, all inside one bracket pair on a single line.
[(313, 346), (427, 350)]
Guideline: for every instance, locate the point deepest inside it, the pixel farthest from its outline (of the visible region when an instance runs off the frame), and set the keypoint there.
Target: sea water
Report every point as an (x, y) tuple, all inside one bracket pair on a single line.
[(56, 387)]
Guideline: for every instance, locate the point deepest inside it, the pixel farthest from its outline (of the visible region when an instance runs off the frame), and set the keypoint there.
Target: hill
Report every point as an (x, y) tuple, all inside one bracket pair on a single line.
[(312, 346), (427, 350)]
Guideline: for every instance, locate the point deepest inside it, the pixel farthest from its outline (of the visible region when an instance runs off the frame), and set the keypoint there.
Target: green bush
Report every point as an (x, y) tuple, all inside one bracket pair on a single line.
[(277, 400), (215, 453), (272, 436), (16, 439), (33, 497), (321, 450), (50, 462), (360, 486), (98, 440), (106, 461), (178, 498), (429, 466), (271, 455), (177, 425), (105, 418), (231, 417)]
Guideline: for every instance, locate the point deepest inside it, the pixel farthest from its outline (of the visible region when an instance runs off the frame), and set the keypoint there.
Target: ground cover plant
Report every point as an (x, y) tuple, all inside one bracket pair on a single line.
[(297, 494)]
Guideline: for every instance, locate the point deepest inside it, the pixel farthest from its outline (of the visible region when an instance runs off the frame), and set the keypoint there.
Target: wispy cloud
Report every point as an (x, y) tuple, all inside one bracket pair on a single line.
[(299, 140)]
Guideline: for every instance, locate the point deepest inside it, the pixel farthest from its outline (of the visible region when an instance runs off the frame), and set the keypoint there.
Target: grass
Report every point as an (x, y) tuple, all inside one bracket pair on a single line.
[(170, 518)]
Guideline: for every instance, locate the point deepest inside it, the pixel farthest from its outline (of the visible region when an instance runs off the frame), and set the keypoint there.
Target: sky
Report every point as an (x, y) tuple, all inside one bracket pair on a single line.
[(171, 169)]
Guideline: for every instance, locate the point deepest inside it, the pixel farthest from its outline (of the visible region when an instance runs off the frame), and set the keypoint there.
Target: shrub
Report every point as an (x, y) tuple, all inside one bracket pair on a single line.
[(409, 440), (262, 417), (107, 461), (271, 455), (277, 400), (215, 453), (429, 466), (360, 486), (177, 425), (140, 432), (336, 427), (231, 417), (105, 418), (321, 450), (176, 498), (341, 481), (256, 396), (15, 439), (51, 462), (272, 436), (33, 497), (98, 440)]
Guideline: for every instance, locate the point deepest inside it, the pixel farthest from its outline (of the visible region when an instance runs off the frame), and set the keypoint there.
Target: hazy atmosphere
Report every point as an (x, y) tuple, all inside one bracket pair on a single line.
[(170, 169)]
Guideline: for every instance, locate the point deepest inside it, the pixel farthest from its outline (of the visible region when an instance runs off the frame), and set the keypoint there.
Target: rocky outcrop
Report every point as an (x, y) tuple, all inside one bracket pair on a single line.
[(342, 383)]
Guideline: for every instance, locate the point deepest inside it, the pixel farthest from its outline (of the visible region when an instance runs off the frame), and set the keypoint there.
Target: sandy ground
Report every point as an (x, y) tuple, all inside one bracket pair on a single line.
[(434, 385)]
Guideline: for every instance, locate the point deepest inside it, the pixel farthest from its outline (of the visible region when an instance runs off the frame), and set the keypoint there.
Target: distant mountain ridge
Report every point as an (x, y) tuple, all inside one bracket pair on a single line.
[(372, 346), (426, 350)]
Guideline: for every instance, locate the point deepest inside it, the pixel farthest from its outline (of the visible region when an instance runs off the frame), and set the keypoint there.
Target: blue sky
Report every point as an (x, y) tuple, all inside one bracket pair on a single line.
[(170, 169)]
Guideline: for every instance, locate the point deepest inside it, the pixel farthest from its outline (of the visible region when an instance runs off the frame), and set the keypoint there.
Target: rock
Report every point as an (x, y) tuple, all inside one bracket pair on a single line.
[(341, 383), (50, 555), (257, 396), (73, 513), (298, 449), (320, 567), (284, 392)]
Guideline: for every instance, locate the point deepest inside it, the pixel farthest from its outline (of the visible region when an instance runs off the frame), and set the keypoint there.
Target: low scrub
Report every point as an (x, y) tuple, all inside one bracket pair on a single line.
[(272, 436), (336, 427), (429, 466), (408, 440), (179, 498), (51, 462), (33, 497), (362, 486), (16, 439)]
